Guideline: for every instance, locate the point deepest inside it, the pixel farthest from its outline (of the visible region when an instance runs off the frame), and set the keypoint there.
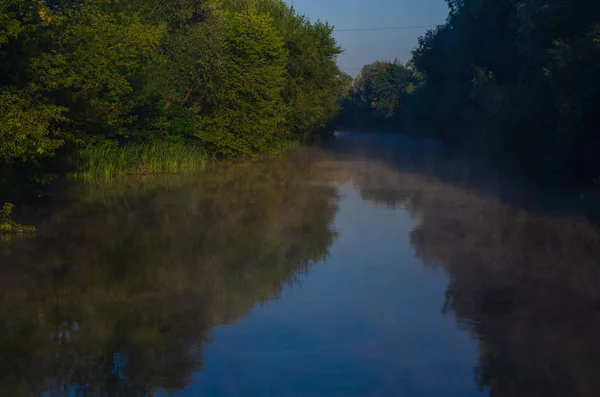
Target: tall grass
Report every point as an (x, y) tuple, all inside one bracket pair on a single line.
[(106, 160)]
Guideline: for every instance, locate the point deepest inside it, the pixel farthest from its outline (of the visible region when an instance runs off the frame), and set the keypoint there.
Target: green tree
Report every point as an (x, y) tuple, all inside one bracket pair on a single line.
[(93, 52), (248, 118), (27, 119), (238, 77), (516, 81), (26, 131), (378, 94), (381, 87), (65, 72), (185, 78), (314, 83)]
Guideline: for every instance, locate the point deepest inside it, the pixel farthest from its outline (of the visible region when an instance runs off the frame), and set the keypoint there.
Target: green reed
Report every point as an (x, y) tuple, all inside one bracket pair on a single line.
[(106, 161)]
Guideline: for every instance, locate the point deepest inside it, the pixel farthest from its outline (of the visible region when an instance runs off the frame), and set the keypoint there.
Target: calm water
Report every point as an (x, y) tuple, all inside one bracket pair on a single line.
[(371, 266)]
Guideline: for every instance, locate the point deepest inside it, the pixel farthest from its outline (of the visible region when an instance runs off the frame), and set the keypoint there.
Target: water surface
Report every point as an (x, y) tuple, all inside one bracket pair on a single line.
[(373, 265)]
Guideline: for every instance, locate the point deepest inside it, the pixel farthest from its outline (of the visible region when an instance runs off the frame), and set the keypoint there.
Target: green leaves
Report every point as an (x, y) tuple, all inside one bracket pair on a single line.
[(516, 81), (378, 94), (98, 51), (247, 119), (239, 77), (10, 25), (25, 127)]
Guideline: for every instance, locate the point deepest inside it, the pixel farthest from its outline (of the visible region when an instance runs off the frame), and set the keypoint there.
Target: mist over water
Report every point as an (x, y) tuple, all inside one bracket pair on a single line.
[(371, 265)]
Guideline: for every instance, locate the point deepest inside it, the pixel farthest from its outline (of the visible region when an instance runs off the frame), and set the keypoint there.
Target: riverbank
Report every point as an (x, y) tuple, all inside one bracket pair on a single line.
[(342, 258), (106, 161), (110, 172), (216, 79)]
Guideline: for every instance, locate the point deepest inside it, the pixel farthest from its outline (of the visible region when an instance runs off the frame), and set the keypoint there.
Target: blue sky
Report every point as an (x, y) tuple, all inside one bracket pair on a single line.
[(366, 47)]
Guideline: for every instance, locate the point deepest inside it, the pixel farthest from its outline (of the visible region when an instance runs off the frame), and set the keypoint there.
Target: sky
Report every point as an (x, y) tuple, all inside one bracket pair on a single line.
[(364, 47)]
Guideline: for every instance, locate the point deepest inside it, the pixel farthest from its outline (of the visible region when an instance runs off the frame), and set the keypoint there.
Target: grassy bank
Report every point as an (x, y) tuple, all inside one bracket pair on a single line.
[(105, 161)]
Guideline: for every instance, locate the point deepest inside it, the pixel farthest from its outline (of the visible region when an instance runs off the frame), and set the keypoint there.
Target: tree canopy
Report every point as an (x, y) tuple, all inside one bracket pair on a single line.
[(517, 80), (514, 80), (377, 95), (235, 77)]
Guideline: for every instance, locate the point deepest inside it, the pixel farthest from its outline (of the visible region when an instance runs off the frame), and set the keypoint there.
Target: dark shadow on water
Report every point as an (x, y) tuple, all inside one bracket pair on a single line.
[(524, 268), (117, 294), (429, 158)]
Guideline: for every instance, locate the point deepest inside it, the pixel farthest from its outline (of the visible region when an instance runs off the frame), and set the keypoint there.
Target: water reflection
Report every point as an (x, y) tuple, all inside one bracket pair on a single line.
[(524, 280), (526, 284), (121, 292), (117, 294)]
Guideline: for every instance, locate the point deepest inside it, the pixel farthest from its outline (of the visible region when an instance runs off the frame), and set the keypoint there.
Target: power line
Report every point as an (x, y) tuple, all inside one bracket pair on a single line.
[(388, 28)]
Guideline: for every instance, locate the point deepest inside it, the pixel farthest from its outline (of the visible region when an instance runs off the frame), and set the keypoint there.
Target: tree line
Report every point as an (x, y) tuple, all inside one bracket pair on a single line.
[(514, 80), (234, 77)]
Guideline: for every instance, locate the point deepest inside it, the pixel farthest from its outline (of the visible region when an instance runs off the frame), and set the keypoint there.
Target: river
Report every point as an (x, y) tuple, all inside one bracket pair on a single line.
[(370, 265)]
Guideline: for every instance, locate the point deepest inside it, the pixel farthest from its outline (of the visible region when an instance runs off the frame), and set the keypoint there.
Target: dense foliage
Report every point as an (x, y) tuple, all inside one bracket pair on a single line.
[(515, 80), (233, 77), (377, 95)]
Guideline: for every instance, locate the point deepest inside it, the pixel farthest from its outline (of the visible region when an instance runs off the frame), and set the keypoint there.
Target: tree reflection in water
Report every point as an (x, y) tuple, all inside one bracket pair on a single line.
[(526, 284), (524, 280), (118, 292)]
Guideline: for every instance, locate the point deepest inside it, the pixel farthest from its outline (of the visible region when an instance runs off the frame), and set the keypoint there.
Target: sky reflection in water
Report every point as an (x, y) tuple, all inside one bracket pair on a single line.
[(373, 266)]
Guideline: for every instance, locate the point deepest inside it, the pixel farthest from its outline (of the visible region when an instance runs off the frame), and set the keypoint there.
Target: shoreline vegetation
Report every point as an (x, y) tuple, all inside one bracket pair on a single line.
[(513, 82), (102, 88), (107, 161), (9, 227)]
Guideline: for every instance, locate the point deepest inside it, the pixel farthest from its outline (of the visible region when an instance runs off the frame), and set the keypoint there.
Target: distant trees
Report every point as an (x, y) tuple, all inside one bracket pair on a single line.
[(517, 81), (236, 77), (378, 94), (512, 79)]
